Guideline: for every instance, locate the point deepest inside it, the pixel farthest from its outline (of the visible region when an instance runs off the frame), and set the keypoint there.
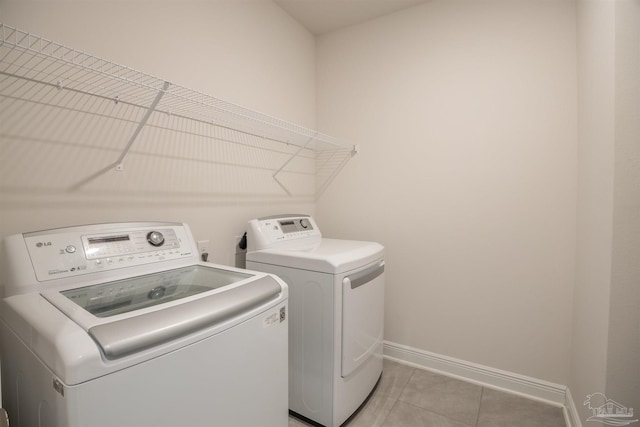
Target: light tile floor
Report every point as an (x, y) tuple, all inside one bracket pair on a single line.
[(410, 397)]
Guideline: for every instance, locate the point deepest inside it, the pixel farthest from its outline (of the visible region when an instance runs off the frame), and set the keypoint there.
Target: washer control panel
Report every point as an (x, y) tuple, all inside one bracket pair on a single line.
[(69, 252), (133, 242)]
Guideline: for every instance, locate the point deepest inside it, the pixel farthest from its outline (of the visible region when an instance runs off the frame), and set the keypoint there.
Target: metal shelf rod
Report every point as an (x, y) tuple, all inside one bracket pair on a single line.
[(151, 109), (293, 156)]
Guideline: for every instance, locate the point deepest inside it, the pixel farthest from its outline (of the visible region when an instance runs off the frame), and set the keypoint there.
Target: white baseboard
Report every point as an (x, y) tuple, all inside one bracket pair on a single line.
[(554, 394)]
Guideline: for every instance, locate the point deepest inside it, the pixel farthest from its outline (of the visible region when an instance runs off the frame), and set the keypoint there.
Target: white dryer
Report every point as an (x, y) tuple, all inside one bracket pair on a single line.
[(121, 325), (336, 302)]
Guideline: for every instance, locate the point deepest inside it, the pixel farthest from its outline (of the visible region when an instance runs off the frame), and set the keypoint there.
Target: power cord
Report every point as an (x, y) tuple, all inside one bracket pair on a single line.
[(243, 242)]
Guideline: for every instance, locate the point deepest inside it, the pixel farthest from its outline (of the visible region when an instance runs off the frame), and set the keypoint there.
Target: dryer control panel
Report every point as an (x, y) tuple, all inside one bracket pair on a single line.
[(72, 251), (283, 230)]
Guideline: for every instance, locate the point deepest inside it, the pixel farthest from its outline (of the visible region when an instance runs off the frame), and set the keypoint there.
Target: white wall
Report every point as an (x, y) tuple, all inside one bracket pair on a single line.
[(596, 122), (606, 323), (247, 52), (465, 112), (623, 361)]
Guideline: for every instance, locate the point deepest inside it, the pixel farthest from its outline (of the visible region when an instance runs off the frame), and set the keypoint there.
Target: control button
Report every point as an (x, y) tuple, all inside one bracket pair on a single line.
[(304, 223), (155, 238), (70, 249), (98, 262)]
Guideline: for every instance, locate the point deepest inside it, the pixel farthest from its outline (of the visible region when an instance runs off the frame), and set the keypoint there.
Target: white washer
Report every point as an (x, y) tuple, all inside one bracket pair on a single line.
[(336, 313), (121, 325)]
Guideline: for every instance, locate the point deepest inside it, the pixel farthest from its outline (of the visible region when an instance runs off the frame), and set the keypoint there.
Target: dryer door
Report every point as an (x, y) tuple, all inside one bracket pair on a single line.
[(362, 316)]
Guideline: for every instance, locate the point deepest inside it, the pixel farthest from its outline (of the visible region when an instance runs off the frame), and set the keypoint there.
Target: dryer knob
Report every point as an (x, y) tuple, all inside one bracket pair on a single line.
[(304, 223), (155, 238)]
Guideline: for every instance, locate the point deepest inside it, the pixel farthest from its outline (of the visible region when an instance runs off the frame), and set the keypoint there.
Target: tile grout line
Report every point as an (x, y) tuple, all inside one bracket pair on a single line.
[(431, 412), (479, 406), (397, 399), (384, 420), (437, 412)]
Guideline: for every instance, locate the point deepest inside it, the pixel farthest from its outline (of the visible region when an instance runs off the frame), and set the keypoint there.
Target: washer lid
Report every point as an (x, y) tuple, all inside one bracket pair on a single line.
[(134, 314), (328, 256)]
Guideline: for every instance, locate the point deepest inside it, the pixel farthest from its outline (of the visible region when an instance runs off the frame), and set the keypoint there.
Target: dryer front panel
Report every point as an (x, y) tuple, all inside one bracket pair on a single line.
[(362, 316)]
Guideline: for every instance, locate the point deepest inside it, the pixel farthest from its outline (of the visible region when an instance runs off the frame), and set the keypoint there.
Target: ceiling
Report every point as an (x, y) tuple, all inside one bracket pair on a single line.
[(323, 16)]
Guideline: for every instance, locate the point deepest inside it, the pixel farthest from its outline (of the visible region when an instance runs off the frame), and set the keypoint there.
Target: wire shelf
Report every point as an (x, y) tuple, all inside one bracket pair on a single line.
[(34, 69)]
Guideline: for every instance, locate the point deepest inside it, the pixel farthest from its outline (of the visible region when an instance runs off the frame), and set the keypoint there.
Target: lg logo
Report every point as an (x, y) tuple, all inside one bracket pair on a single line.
[(41, 244)]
